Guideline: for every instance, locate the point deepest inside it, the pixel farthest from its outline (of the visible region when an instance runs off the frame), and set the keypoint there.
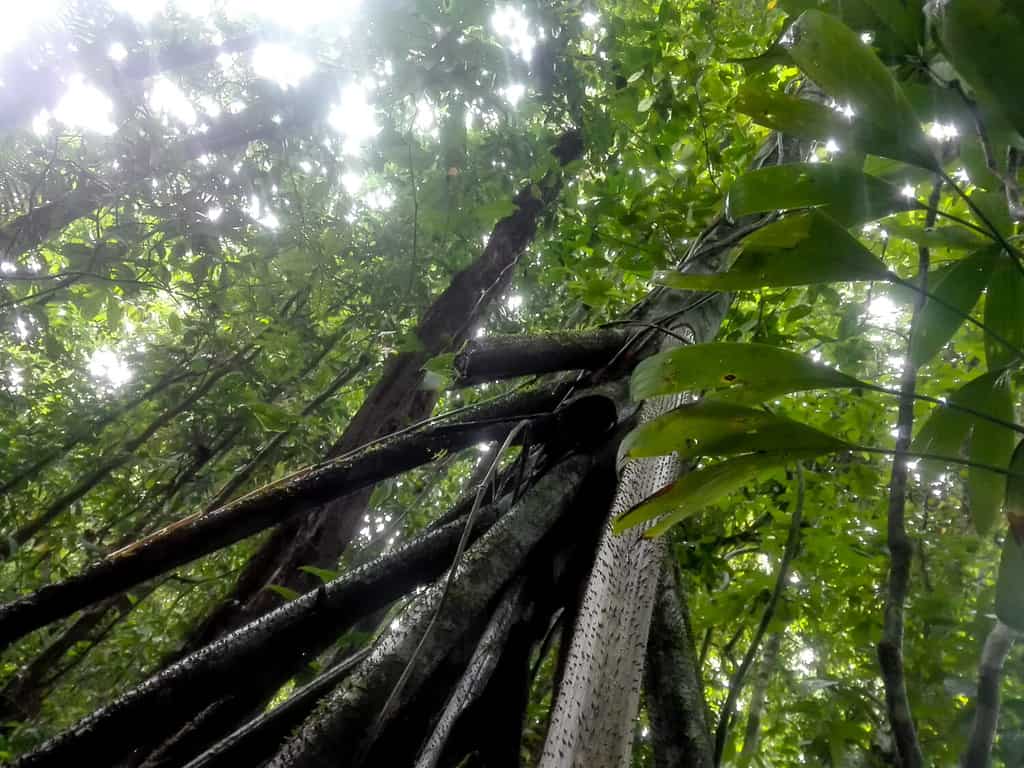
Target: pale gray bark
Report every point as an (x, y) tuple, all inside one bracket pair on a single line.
[(596, 705), (986, 714)]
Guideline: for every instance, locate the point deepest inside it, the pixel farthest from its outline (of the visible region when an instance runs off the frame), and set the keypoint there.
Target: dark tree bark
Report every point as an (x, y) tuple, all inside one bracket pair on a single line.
[(395, 401), (505, 357), (342, 731), (206, 532), (257, 658), (672, 682)]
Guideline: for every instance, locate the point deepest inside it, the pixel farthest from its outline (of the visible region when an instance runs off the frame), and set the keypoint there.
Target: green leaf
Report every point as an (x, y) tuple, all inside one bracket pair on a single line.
[(995, 208), (324, 574), (834, 57), (804, 119), (802, 249), (846, 194), (1015, 493), (285, 592), (645, 103), (715, 428), (958, 285), (1010, 583), (993, 445), (982, 39), (743, 372), (953, 237), (945, 431), (270, 417), (1004, 313), (696, 490)]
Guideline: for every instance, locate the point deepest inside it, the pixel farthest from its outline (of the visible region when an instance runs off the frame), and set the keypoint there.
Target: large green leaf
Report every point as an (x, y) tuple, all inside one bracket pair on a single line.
[(982, 39), (802, 249), (1004, 313), (715, 428), (743, 372), (805, 119), (959, 286), (945, 431), (835, 57), (846, 194), (696, 490), (954, 238), (993, 445), (1010, 584)]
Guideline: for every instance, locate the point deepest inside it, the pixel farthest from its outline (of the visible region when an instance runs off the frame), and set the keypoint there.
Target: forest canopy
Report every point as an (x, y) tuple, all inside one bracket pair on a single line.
[(547, 383)]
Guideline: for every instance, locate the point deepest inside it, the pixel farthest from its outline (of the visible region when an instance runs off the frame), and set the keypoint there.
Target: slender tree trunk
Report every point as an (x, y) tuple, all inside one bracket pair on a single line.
[(673, 688), (986, 714)]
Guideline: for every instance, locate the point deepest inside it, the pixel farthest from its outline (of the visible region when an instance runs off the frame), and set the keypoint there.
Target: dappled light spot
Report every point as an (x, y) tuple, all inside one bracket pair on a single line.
[(512, 26), (108, 368), (167, 99), (281, 64), (83, 106), (354, 118)]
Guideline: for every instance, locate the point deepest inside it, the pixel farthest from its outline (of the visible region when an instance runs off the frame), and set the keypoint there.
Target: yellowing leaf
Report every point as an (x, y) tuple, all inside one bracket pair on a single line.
[(742, 372), (696, 490), (714, 428)]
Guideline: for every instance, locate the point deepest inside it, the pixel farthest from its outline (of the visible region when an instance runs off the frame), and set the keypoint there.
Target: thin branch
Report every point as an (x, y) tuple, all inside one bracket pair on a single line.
[(901, 550), (789, 552)]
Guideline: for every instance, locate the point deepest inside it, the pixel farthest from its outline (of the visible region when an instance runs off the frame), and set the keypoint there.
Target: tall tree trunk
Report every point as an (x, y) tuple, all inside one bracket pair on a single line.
[(592, 722)]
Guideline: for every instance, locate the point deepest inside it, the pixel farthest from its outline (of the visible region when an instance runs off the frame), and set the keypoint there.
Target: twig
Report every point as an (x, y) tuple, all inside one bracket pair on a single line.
[(890, 647), (736, 683)]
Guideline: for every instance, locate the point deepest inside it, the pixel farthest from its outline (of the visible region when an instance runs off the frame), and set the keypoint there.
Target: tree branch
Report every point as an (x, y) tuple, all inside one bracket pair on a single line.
[(901, 551)]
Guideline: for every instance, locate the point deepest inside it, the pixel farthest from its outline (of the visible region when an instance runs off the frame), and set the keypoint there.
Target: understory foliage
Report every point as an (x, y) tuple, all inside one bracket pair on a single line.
[(221, 225)]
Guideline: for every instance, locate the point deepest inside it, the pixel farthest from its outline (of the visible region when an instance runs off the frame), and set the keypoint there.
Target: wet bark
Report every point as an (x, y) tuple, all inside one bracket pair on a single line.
[(341, 732), (395, 401), (257, 658), (505, 357), (204, 532)]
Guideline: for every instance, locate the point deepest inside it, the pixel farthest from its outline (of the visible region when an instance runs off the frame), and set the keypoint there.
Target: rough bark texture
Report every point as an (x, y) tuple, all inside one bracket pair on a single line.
[(986, 715), (338, 734), (206, 532), (395, 401), (255, 659), (673, 688), (475, 678), (592, 722)]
